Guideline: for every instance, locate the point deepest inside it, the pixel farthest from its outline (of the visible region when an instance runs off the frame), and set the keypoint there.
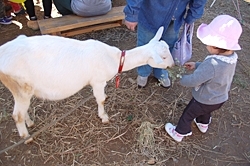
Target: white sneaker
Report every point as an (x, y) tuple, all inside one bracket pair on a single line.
[(165, 82), (170, 129), (142, 81), (202, 127)]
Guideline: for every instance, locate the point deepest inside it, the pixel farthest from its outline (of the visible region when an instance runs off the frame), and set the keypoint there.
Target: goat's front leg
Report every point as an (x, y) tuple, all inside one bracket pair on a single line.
[(20, 116), (98, 90)]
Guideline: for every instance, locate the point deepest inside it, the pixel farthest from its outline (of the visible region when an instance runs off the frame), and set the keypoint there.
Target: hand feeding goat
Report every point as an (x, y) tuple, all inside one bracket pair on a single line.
[(54, 68)]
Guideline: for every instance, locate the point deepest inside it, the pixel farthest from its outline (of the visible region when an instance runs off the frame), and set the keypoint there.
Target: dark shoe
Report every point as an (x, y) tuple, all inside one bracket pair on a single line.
[(47, 17), (9, 17), (5, 21)]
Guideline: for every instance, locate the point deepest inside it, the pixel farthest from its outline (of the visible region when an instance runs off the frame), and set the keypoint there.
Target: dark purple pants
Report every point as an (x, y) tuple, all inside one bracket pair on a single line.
[(195, 109)]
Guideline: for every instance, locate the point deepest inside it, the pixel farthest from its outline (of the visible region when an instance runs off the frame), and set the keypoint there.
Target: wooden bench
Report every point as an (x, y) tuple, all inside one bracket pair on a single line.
[(71, 25)]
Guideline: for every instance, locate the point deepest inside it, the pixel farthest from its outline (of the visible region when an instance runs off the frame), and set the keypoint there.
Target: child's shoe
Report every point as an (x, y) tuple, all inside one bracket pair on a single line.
[(202, 127), (5, 21), (9, 17), (170, 129)]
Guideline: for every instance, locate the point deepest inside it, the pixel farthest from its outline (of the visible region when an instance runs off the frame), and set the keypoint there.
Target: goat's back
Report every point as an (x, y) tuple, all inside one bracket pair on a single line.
[(57, 67)]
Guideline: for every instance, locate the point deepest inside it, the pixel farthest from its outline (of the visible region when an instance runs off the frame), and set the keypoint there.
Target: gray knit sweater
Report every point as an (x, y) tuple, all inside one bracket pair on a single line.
[(90, 7), (212, 79)]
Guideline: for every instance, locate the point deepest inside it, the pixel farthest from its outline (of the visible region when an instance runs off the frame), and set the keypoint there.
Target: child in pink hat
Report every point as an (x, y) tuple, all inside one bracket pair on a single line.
[(212, 78)]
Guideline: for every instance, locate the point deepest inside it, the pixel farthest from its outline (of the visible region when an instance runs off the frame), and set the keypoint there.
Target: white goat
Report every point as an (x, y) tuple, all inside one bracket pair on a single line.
[(54, 68)]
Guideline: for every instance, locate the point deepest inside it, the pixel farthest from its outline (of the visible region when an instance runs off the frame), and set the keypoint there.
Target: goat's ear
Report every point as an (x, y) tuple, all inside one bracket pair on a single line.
[(157, 58), (158, 34)]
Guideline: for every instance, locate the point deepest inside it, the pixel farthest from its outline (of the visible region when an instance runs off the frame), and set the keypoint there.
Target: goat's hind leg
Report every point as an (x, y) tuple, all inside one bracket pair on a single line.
[(20, 115), (28, 121), (22, 94), (98, 90)]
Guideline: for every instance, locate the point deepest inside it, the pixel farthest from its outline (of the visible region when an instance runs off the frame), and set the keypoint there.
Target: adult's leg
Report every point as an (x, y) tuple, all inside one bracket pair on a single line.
[(30, 9), (47, 5), (63, 6), (193, 110), (143, 37), (170, 36)]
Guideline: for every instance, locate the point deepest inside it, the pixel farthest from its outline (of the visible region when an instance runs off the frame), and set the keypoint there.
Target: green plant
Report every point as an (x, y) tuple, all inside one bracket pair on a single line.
[(176, 72)]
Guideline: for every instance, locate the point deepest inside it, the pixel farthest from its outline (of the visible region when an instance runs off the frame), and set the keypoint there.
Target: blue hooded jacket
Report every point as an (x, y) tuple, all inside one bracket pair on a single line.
[(155, 13)]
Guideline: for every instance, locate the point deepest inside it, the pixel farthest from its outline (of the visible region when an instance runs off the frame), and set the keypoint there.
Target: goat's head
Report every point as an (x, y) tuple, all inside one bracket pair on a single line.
[(159, 52)]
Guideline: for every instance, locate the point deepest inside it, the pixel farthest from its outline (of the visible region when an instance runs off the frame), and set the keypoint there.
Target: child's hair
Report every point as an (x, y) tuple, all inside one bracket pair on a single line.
[(220, 50)]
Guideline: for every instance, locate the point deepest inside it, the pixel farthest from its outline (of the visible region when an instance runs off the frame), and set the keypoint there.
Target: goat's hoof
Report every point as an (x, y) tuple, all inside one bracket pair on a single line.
[(30, 124), (104, 117), (105, 121), (28, 140)]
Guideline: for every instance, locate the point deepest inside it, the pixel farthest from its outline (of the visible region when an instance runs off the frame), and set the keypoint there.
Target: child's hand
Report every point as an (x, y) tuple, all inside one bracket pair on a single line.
[(190, 65)]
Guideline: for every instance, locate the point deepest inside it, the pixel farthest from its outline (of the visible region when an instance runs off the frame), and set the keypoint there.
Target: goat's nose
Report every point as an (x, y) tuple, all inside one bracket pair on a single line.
[(171, 66)]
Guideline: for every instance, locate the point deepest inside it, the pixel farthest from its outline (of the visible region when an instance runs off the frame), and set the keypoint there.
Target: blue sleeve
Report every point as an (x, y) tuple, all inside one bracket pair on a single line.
[(195, 11), (132, 9)]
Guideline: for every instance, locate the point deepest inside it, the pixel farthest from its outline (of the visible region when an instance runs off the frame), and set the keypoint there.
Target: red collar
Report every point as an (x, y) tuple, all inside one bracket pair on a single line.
[(117, 76)]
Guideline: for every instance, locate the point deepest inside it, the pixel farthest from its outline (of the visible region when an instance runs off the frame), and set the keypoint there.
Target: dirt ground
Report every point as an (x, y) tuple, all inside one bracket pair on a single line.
[(136, 133)]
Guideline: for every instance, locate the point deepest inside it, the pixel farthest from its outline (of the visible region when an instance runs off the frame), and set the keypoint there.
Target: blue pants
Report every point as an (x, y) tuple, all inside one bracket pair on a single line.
[(143, 37)]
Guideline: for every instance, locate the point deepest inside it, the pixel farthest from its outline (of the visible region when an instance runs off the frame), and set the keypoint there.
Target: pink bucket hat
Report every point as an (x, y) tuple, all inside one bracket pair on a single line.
[(223, 32)]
